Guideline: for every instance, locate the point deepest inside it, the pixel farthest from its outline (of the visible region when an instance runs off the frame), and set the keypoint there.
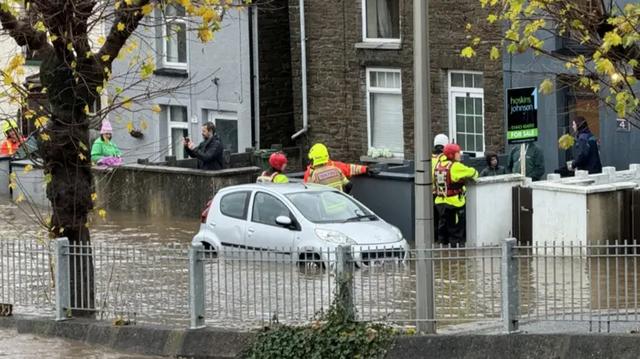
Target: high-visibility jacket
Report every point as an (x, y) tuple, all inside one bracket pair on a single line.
[(8, 147), (435, 158), (348, 169), (275, 177), (449, 181), (328, 175)]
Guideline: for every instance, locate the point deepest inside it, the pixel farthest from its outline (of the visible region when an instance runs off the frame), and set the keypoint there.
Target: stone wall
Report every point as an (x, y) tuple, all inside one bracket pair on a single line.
[(274, 56), (337, 67), (163, 191)]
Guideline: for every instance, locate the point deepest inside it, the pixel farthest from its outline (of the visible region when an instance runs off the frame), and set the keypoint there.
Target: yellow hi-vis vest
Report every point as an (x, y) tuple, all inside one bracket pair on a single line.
[(275, 177), (329, 176)]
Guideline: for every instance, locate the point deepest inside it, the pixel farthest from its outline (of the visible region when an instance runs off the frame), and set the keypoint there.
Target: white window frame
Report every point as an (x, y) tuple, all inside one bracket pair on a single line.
[(167, 20), (214, 115), (175, 124), (473, 92), (377, 39), (381, 90)]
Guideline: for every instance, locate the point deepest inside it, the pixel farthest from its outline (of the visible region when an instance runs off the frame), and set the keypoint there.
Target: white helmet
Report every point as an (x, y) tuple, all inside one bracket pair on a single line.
[(440, 140)]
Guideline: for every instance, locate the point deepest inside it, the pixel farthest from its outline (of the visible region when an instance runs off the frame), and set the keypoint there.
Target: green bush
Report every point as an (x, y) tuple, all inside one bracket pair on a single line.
[(333, 335)]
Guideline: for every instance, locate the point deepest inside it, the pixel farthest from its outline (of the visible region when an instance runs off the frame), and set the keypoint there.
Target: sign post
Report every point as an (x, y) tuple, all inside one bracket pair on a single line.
[(522, 120)]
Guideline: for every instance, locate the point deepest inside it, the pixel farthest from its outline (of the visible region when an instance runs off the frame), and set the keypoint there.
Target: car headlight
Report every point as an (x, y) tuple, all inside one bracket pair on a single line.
[(398, 232), (334, 237)]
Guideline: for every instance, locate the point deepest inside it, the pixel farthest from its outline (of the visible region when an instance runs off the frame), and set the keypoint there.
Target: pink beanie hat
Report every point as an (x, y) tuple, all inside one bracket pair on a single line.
[(106, 127)]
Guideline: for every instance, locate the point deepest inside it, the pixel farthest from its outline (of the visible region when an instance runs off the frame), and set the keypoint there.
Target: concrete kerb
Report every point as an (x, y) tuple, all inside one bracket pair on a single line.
[(558, 346), (141, 340), (218, 343)]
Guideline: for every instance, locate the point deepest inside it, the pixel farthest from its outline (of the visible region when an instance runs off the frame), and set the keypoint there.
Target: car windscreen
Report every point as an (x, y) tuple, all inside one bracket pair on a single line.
[(329, 207)]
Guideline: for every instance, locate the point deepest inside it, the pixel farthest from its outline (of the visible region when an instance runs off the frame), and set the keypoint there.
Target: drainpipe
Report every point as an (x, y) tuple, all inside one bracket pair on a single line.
[(255, 121), (303, 74)]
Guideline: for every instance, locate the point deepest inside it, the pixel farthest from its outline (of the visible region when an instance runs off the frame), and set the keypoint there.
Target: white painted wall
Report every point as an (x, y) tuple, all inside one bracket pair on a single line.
[(559, 216), (489, 209)]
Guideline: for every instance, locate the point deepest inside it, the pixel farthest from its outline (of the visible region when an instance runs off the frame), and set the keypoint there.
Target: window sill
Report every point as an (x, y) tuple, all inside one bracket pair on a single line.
[(171, 72), (379, 45)]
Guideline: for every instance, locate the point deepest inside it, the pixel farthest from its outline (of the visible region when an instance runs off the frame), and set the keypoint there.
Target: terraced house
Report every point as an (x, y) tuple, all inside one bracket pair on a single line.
[(358, 63)]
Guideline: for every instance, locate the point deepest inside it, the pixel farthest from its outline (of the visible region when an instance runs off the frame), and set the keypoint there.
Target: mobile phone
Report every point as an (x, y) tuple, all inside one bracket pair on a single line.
[(187, 139)]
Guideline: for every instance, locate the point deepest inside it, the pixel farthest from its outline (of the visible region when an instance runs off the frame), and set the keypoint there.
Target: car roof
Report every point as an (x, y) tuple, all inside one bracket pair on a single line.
[(281, 188)]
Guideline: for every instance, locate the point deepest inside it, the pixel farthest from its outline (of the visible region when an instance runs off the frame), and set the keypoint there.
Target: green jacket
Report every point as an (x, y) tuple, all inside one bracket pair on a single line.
[(101, 149), (534, 161)]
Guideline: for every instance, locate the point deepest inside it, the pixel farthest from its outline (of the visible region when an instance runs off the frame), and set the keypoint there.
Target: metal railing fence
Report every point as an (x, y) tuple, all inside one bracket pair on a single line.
[(503, 285), (26, 276)]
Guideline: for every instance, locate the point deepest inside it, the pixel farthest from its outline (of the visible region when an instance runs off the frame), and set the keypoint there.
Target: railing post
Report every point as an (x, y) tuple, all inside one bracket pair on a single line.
[(509, 275), (196, 286), (63, 289), (344, 280)]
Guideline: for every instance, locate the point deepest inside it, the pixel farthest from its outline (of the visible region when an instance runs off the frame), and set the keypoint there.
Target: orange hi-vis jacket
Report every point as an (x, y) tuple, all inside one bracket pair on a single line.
[(8, 147), (348, 169)]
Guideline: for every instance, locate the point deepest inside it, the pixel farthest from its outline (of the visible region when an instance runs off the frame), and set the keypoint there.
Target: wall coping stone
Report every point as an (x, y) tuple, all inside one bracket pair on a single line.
[(179, 170), (508, 178)]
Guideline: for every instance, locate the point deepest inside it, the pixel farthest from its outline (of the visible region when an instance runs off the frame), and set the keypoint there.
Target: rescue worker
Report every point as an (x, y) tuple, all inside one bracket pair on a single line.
[(13, 140), (439, 142), (278, 163), (348, 169), (449, 177), (323, 171)]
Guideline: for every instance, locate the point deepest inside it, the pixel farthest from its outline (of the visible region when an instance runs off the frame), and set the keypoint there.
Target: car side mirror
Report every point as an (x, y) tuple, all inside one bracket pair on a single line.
[(284, 221)]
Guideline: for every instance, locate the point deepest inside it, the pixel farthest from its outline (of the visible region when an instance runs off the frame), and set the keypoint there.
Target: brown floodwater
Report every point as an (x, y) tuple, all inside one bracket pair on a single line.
[(27, 346)]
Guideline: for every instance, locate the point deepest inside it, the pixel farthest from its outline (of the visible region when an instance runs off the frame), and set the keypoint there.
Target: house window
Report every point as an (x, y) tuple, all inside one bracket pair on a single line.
[(384, 110), (466, 110), (178, 128), (226, 128), (174, 35), (381, 20)]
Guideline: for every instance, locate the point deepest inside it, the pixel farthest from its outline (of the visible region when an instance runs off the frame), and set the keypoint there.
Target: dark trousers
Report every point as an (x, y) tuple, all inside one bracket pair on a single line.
[(451, 225)]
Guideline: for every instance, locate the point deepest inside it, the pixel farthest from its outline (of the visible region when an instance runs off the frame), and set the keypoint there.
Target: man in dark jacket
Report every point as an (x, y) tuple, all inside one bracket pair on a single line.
[(493, 167), (585, 150), (534, 161), (209, 151)]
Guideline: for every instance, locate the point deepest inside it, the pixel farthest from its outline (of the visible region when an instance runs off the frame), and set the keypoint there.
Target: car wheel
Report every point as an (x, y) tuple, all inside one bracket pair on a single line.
[(210, 252), (310, 263)]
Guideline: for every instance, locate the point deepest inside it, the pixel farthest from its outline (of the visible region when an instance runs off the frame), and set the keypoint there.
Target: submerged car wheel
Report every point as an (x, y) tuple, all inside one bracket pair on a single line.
[(310, 263), (210, 252)]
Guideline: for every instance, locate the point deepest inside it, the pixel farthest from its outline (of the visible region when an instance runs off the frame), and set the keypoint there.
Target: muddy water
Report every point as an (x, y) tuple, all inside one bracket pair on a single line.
[(142, 275), (26, 346), (21, 221)]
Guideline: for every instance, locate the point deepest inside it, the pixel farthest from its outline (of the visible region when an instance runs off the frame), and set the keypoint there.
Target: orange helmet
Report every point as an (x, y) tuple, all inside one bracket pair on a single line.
[(277, 161)]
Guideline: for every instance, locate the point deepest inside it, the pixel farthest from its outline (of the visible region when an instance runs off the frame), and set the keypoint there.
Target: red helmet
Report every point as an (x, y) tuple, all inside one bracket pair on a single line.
[(277, 161), (450, 150)]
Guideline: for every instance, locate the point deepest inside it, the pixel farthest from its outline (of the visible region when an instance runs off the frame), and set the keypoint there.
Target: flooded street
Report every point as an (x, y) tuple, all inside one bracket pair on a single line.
[(27, 346), (20, 222), (142, 276)]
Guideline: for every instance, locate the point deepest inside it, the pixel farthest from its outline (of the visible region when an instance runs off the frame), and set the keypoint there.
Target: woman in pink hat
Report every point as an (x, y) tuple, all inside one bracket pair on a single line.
[(103, 147)]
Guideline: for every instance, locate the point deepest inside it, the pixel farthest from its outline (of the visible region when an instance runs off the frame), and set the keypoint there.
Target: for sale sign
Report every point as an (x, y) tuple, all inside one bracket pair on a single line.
[(522, 115)]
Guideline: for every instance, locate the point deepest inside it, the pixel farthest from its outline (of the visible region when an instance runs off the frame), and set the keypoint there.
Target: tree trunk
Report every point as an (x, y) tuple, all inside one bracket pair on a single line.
[(66, 154)]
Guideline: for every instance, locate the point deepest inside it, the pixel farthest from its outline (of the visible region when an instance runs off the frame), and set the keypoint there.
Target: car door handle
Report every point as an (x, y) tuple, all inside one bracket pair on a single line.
[(251, 231)]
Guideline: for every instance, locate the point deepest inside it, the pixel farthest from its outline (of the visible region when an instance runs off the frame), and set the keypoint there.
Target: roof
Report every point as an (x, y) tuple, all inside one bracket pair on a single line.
[(282, 188)]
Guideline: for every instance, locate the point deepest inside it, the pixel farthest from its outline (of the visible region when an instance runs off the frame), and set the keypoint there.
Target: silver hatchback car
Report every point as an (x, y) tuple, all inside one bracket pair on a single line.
[(306, 221)]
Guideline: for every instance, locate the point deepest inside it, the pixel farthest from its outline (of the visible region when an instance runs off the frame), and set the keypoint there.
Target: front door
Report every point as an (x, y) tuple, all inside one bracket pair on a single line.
[(263, 233)]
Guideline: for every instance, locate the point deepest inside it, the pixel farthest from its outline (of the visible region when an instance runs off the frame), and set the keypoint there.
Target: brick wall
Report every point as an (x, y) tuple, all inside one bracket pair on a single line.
[(336, 71)]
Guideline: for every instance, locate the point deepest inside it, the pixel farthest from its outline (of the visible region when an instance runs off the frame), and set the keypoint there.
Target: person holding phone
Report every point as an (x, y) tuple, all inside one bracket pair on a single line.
[(209, 151)]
